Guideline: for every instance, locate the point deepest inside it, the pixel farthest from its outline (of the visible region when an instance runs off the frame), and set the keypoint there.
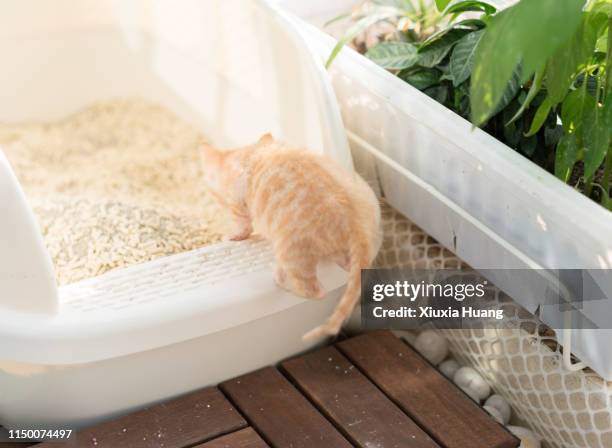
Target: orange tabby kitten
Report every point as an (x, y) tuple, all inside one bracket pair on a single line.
[(310, 208)]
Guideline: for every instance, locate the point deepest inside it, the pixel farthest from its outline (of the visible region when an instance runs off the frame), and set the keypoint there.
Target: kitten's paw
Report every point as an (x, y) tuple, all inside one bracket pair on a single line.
[(313, 291), (241, 236), (280, 278)]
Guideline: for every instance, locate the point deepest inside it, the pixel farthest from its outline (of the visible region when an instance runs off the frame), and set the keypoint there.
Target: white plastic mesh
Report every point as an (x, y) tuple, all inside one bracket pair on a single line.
[(167, 277), (522, 361)]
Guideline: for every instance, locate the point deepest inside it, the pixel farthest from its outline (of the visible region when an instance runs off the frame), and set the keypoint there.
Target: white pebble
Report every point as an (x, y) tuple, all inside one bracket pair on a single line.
[(494, 413), (498, 402), (471, 393), (432, 346), (448, 368), (528, 438), (468, 378)]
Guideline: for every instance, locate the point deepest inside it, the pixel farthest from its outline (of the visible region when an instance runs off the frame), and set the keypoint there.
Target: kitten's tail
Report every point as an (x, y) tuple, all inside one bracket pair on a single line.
[(359, 259)]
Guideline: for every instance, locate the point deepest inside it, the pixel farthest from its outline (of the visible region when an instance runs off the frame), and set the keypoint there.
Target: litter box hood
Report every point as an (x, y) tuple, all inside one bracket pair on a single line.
[(235, 69), (26, 272)]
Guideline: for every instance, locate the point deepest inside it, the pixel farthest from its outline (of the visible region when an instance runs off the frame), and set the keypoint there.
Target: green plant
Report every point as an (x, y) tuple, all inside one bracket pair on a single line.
[(442, 68), (413, 21), (441, 65), (533, 75), (562, 48)]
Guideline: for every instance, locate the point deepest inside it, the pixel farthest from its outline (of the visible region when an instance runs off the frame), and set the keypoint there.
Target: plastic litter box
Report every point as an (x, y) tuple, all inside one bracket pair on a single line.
[(73, 355)]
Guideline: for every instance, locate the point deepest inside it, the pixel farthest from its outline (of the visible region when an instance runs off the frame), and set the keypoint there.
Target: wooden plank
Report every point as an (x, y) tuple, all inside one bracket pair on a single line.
[(23, 444), (356, 406), (281, 415), (184, 421), (245, 438), (436, 404)]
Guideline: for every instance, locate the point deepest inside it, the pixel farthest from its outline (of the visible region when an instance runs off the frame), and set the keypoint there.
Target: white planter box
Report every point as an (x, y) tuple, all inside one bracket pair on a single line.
[(492, 207)]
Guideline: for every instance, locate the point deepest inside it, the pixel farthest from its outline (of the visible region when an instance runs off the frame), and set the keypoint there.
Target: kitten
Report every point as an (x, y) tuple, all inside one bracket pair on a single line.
[(310, 208)]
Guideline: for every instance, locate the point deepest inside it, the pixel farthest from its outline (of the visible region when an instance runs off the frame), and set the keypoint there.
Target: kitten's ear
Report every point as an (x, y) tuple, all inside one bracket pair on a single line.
[(206, 146), (210, 154), (265, 139)]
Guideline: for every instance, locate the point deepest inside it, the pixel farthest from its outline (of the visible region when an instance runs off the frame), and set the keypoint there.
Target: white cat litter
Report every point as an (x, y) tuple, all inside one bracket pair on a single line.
[(115, 184)]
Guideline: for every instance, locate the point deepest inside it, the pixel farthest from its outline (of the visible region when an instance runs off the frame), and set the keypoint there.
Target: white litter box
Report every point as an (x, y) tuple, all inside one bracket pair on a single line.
[(73, 355)]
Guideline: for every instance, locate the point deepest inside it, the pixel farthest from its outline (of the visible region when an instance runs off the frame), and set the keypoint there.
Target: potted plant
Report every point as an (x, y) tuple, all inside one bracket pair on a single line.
[(542, 90)]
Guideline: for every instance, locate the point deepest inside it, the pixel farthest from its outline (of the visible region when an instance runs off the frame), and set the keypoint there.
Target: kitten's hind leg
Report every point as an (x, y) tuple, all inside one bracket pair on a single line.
[(298, 273), (242, 222), (343, 260)]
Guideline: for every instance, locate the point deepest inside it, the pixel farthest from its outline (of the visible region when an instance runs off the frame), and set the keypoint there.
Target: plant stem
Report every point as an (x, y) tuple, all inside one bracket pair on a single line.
[(588, 186), (608, 64), (588, 181), (599, 95), (605, 180)]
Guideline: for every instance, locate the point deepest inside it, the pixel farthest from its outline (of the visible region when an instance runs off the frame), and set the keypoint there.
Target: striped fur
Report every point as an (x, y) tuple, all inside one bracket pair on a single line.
[(310, 208)]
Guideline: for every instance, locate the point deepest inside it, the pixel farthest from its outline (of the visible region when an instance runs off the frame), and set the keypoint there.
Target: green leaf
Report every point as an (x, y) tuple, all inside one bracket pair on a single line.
[(462, 57), (438, 93), (605, 199), (470, 5), (434, 50), (510, 92), (602, 43), (528, 32), (421, 78), (548, 24), (473, 24), (377, 14), (572, 55), (446, 77), (608, 80), (603, 6), (512, 132), (566, 156), (536, 85), (572, 109), (595, 136), (433, 56), (558, 77), (442, 4), (552, 135), (528, 145), (444, 37), (393, 55), (540, 117)]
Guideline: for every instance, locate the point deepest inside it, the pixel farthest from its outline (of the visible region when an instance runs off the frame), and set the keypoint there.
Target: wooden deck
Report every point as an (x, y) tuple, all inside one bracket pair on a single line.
[(369, 391)]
